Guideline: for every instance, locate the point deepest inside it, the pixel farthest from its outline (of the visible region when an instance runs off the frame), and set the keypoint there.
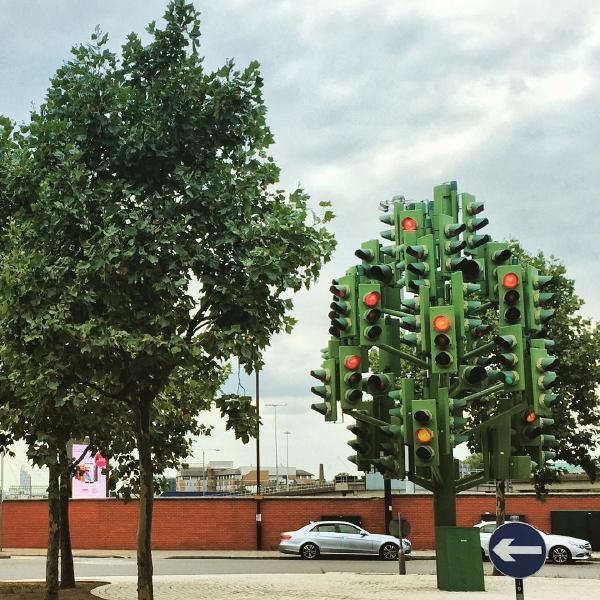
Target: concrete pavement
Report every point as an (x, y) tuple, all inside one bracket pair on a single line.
[(200, 554), (339, 586), (187, 554)]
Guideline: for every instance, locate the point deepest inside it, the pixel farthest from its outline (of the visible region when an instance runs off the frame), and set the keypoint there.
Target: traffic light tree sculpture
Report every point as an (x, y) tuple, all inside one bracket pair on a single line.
[(421, 297)]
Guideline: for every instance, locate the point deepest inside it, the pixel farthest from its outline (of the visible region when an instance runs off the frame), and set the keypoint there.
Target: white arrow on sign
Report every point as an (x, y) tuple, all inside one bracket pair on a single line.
[(505, 551)]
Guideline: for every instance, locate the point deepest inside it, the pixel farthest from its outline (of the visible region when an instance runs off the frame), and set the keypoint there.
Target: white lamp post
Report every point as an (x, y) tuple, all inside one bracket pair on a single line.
[(275, 406), (287, 458)]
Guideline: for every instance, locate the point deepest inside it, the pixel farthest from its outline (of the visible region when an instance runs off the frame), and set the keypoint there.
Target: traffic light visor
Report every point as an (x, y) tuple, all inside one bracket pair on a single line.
[(510, 281), (352, 362), (341, 291), (441, 323)]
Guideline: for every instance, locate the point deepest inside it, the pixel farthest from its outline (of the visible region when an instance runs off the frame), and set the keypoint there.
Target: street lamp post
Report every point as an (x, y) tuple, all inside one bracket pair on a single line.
[(204, 478), (275, 406), (287, 459)]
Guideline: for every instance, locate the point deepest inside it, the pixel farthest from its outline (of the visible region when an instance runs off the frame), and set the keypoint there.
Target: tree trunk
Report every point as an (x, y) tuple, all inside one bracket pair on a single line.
[(67, 571), (53, 534), (144, 532), (500, 508)]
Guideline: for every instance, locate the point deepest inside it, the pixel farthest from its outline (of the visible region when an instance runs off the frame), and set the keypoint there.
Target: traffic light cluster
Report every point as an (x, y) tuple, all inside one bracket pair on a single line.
[(423, 299)]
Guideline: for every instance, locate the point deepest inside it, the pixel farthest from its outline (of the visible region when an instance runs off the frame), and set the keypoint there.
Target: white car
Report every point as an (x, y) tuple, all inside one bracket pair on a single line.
[(339, 537), (560, 549)]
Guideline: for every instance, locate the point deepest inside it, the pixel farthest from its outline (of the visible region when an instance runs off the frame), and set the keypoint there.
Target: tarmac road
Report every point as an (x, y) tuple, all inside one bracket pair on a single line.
[(33, 567)]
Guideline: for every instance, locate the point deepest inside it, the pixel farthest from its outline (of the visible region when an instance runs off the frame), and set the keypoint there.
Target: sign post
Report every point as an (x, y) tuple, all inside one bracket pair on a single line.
[(517, 550), (401, 558)]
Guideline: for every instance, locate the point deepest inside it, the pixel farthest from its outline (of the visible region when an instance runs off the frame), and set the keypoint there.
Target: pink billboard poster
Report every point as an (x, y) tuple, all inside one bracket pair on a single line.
[(89, 480)]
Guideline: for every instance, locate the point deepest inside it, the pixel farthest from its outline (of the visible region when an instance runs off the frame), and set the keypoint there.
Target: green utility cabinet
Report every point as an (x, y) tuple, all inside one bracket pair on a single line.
[(459, 564)]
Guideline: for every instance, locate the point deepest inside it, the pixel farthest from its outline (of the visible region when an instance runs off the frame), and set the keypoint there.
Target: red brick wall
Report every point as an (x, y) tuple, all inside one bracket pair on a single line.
[(222, 523)]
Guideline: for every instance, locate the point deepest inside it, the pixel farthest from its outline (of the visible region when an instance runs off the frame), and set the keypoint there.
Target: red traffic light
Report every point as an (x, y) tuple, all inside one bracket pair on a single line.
[(531, 417), (352, 362), (340, 291), (372, 299), (408, 224), (510, 281), (442, 323)]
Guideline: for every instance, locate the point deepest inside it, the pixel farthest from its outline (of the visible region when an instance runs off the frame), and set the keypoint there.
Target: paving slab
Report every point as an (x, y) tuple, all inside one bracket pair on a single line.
[(340, 586)]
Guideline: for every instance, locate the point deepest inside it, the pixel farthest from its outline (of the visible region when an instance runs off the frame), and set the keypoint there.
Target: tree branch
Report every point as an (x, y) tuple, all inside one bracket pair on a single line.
[(75, 463), (101, 391)]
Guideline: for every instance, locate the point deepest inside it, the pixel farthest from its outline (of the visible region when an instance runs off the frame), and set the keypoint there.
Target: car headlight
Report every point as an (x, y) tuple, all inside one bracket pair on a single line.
[(582, 546)]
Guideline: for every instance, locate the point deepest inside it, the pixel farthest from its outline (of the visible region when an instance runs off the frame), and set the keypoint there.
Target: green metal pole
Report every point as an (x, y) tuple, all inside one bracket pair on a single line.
[(444, 497)]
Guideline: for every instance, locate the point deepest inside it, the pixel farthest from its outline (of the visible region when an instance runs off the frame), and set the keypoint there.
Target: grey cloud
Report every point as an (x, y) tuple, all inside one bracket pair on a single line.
[(368, 100)]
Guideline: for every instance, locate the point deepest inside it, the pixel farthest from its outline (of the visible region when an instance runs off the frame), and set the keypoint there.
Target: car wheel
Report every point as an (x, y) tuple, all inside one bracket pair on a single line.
[(559, 555), (309, 551), (389, 551)]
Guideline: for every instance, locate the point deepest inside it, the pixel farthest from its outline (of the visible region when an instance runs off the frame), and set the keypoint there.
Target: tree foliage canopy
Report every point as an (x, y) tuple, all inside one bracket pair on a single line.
[(141, 230)]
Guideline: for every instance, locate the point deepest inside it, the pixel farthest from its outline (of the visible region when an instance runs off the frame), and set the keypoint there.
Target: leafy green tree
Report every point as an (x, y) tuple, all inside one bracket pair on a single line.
[(475, 461), (577, 340), (577, 345), (142, 238)]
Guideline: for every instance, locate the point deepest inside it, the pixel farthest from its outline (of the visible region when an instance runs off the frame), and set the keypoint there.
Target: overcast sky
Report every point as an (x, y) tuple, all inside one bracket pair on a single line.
[(368, 100)]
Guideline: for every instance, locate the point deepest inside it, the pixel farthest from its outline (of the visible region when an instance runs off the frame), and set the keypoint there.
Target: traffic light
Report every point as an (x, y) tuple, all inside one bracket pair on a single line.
[(369, 253), (328, 374), (442, 333), (510, 295), (380, 383), (409, 223), (425, 432), (510, 342), (391, 462), (363, 444), (535, 300), (470, 209), (496, 255), (351, 367), (445, 200), (381, 272), (343, 307), (449, 242), (471, 376), (372, 327), (420, 264), (450, 421), (535, 437), (542, 380)]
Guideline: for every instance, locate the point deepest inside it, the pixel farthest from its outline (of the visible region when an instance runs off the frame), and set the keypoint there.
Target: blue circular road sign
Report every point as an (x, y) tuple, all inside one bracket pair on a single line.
[(517, 550)]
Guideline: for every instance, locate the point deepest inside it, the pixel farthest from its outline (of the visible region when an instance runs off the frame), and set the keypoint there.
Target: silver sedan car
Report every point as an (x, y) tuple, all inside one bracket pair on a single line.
[(339, 537)]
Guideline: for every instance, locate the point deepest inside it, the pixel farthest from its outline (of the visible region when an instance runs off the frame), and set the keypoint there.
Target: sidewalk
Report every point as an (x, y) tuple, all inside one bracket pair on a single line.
[(340, 586), (200, 554), (189, 554)]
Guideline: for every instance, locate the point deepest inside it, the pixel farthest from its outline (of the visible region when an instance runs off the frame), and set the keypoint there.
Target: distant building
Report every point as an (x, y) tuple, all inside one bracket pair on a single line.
[(222, 476), (24, 478)]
